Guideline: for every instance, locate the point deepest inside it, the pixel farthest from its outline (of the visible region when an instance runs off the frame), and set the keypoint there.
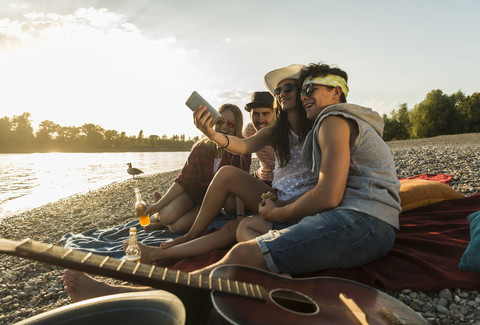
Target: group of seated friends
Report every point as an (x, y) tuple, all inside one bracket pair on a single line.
[(326, 194)]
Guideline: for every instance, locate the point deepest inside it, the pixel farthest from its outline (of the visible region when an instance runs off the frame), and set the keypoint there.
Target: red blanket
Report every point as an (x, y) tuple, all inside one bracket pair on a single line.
[(441, 178), (425, 255)]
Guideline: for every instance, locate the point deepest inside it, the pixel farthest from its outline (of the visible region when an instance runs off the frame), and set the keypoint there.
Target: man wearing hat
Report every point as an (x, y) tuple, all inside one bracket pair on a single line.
[(262, 114)]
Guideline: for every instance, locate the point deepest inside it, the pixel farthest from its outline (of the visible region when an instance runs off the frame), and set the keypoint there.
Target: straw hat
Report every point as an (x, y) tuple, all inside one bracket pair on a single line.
[(274, 77)]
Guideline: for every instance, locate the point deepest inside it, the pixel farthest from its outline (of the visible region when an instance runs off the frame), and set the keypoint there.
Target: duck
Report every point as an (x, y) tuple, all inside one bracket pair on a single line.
[(133, 171)]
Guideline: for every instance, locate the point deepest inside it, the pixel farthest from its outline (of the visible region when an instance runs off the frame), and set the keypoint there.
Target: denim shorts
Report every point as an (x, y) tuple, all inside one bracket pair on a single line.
[(336, 238)]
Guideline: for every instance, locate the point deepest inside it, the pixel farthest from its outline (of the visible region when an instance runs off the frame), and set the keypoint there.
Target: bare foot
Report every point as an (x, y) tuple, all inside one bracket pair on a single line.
[(174, 242), (154, 224), (149, 254), (156, 196), (81, 286)]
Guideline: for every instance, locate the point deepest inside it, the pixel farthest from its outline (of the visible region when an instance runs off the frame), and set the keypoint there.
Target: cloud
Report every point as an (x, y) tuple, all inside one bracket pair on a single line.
[(380, 106), (94, 63)]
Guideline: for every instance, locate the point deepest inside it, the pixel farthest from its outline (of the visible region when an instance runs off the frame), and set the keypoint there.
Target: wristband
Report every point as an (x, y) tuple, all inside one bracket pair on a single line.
[(228, 141)]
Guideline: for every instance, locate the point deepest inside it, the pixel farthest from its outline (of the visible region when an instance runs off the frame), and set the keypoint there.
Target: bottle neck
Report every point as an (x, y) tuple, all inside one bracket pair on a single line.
[(133, 237), (138, 196)]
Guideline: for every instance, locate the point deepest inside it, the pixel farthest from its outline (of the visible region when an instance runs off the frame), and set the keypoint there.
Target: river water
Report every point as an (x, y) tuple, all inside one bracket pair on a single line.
[(30, 180)]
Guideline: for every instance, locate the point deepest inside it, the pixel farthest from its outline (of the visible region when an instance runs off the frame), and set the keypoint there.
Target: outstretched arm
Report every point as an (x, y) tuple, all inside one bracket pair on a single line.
[(240, 146)]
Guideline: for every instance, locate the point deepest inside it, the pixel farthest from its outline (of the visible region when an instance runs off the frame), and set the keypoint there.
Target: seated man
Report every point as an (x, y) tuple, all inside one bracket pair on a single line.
[(262, 114)]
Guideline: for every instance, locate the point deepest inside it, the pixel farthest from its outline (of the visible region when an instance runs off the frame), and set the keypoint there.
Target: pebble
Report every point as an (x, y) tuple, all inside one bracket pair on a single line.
[(28, 288)]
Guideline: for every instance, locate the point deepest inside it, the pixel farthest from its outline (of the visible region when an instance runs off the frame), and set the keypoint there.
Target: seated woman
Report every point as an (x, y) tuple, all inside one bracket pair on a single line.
[(179, 206)]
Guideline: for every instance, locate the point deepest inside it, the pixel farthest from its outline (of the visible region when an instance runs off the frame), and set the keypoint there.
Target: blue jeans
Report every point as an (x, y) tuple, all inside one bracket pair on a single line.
[(336, 238)]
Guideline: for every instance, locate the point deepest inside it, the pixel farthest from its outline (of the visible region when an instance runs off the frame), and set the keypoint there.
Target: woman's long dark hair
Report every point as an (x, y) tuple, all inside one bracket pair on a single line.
[(282, 138)]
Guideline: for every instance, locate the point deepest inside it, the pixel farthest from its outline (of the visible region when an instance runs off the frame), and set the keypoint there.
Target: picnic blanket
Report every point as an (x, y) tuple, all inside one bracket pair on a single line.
[(108, 242), (425, 256)]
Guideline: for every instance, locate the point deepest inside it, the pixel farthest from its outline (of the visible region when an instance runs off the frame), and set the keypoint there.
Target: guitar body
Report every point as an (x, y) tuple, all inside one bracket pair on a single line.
[(322, 304)]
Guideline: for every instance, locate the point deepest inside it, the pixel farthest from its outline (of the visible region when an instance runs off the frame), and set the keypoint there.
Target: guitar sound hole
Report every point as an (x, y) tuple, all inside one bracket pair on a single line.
[(294, 301)]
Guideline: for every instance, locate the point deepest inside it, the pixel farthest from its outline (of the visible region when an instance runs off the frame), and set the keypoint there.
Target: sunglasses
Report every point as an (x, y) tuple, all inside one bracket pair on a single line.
[(230, 124), (286, 88), (307, 90)]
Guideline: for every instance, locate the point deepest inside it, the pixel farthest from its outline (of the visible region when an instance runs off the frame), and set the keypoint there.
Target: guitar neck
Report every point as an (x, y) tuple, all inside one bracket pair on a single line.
[(150, 275)]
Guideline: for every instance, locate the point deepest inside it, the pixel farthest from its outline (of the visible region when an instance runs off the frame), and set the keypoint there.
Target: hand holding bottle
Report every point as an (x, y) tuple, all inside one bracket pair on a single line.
[(140, 208)]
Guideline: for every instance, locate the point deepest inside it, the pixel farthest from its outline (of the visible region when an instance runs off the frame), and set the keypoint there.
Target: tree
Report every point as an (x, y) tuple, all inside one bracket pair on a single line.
[(398, 126), (22, 132), (46, 133), (473, 122), (94, 136), (110, 138), (435, 115), (5, 133)]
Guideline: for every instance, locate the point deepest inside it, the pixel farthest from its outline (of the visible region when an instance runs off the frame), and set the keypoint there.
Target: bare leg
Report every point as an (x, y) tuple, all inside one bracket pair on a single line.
[(172, 212), (154, 225), (230, 205), (223, 238), (184, 223), (245, 253), (252, 227), (81, 286), (227, 180)]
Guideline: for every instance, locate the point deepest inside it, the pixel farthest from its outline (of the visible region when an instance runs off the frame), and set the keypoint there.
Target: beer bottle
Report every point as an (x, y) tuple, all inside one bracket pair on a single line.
[(140, 207), (132, 252)]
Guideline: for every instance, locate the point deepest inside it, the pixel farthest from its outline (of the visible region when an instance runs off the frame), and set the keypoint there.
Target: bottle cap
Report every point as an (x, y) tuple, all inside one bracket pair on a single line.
[(133, 229)]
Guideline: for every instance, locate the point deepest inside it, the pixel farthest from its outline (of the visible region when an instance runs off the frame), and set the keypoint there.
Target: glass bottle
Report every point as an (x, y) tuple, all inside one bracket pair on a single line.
[(140, 207), (132, 253)]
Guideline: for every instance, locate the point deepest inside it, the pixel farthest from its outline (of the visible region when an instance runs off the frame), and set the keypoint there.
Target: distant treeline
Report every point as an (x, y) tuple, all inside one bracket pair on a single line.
[(17, 135), (437, 114)]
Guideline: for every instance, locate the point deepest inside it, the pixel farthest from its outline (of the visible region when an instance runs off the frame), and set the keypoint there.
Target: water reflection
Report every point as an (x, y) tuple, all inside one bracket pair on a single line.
[(31, 180)]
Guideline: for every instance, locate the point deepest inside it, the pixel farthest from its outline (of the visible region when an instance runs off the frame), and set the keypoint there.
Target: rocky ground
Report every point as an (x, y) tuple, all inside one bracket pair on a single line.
[(28, 288)]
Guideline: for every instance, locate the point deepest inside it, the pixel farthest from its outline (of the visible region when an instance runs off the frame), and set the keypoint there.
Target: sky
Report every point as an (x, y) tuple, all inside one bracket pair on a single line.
[(131, 65)]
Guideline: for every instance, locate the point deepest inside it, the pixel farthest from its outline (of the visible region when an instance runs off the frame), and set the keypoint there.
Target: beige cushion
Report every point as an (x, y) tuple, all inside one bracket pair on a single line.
[(416, 193)]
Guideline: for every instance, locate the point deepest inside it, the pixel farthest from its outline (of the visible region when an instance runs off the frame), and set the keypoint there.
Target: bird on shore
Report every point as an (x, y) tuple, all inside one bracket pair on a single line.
[(133, 171)]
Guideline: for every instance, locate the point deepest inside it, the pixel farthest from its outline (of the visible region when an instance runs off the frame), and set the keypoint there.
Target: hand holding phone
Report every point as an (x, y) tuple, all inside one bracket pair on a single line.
[(196, 100)]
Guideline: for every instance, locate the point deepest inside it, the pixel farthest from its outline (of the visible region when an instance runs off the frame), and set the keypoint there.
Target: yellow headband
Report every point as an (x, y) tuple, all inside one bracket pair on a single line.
[(329, 80)]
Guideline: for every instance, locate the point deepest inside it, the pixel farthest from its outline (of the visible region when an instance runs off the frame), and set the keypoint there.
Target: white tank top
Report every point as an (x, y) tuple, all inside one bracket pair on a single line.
[(293, 179)]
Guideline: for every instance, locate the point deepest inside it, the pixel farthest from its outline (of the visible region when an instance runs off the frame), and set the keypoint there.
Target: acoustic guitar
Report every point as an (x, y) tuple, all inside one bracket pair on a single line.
[(239, 294)]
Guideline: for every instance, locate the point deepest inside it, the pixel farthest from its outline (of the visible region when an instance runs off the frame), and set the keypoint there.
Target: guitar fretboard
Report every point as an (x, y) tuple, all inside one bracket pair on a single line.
[(88, 261)]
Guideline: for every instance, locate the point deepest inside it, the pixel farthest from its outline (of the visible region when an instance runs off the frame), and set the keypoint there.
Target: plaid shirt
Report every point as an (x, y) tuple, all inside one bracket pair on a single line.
[(197, 173)]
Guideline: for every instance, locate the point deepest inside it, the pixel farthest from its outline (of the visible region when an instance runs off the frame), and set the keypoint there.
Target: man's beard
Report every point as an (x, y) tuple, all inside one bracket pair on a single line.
[(259, 126)]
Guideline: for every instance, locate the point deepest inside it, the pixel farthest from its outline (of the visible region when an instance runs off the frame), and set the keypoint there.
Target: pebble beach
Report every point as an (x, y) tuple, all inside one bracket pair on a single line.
[(28, 288)]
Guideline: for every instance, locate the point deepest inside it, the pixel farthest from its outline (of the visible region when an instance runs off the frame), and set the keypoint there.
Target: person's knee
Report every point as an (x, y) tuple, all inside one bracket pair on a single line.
[(226, 174), (230, 226), (242, 230), (247, 253), (242, 252), (246, 228)]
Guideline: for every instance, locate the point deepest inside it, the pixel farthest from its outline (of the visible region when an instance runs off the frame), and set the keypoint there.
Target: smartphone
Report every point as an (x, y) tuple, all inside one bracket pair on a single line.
[(196, 100)]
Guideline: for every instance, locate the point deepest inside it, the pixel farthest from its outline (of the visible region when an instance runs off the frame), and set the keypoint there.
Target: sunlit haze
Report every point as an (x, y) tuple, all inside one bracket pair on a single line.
[(130, 65)]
